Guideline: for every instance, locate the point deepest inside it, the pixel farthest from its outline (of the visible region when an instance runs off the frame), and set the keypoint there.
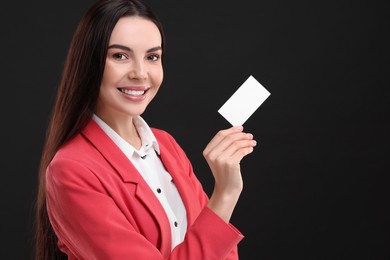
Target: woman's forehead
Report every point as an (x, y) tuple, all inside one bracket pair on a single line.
[(133, 30)]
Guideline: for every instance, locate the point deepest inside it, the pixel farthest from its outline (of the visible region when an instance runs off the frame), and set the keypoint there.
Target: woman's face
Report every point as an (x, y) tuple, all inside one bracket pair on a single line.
[(133, 71)]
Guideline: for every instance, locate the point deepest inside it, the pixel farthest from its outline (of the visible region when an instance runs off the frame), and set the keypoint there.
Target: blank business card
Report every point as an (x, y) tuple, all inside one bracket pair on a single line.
[(244, 102)]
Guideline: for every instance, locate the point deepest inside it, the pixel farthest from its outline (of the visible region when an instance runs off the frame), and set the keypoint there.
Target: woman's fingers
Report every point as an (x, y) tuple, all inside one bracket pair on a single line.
[(231, 156), (229, 142), (237, 150), (221, 135)]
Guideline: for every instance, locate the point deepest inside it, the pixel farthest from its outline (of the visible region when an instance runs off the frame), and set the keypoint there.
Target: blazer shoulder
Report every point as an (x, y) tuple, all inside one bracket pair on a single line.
[(164, 138), (78, 149), (160, 133)]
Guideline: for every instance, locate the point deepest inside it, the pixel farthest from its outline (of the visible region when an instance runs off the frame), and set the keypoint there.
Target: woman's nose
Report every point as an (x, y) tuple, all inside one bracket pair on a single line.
[(138, 70)]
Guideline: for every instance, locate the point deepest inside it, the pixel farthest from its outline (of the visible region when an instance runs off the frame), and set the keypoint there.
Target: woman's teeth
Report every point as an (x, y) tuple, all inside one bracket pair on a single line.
[(132, 92)]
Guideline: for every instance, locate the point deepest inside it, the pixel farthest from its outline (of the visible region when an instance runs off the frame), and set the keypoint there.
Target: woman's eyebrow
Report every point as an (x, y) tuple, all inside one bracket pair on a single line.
[(157, 48), (125, 48)]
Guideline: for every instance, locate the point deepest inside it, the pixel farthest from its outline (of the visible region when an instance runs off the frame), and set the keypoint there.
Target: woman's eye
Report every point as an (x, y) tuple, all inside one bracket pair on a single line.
[(119, 56), (153, 57)]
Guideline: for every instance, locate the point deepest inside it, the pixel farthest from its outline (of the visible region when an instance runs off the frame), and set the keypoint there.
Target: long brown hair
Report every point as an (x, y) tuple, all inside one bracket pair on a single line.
[(76, 98)]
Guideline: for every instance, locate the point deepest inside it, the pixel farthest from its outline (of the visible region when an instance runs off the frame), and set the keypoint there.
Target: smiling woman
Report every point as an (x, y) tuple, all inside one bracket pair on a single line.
[(133, 66), (110, 186)]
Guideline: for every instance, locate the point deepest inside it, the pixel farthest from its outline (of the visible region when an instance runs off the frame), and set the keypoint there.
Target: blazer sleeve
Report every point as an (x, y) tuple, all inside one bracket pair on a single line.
[(216, 238)]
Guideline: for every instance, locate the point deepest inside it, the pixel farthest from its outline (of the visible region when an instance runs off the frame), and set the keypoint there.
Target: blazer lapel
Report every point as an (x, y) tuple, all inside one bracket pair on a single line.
[(118, 160)]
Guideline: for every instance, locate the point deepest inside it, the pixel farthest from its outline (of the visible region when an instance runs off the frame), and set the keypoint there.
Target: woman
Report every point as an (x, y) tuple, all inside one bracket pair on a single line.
[(110, 186)]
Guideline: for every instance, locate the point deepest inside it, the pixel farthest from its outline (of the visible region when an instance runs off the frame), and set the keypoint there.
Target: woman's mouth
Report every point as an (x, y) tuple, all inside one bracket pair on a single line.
[(132, 92)]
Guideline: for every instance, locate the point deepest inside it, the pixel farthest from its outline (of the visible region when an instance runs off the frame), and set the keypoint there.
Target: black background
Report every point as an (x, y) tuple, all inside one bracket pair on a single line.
[(317, 185)]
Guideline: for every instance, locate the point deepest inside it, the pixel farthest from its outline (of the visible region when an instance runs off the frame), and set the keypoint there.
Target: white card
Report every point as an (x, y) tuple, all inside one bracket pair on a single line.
[(244, 102)]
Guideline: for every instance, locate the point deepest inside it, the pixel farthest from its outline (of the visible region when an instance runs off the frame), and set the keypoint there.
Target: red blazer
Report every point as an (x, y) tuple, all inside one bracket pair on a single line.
[(100, 207)]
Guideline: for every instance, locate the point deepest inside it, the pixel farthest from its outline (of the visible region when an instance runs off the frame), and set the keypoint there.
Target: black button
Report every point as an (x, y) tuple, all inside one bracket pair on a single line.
[(175, 223), (158, 190)]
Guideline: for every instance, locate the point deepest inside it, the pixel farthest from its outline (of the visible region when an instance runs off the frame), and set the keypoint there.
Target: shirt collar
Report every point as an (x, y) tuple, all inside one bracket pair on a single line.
[(147, 137)]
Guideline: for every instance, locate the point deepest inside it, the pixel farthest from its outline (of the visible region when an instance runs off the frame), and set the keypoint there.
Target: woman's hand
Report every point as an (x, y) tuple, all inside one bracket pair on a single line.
[(223, 155)]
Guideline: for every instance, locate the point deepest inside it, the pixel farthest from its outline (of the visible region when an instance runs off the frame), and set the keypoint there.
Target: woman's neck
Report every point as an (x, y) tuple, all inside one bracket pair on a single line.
[(124, 127)]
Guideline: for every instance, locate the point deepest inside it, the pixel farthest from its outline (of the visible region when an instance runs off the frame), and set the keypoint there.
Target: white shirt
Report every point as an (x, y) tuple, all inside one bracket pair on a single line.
[(153, 171)]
